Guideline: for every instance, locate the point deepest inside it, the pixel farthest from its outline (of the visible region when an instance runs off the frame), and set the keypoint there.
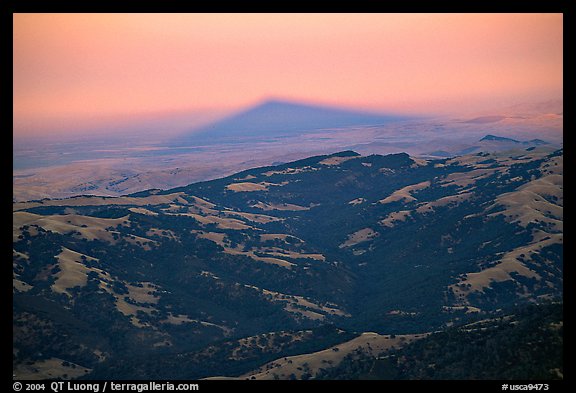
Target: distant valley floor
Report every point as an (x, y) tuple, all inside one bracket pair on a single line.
[(117, 166)]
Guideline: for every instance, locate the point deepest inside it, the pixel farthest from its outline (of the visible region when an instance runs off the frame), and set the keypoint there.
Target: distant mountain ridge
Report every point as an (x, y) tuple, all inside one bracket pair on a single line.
[(490, 143), (496, 138), (277, 117)]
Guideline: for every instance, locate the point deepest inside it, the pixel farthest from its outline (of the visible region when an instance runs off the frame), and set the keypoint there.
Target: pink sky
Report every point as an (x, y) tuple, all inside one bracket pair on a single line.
[(71, 70)]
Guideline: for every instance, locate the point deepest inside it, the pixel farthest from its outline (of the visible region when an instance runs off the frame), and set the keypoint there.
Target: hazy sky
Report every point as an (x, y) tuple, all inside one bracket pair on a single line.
[(72, 71)]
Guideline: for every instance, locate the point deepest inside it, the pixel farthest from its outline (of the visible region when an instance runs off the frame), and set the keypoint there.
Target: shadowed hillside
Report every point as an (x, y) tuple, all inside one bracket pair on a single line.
[(233, 268)]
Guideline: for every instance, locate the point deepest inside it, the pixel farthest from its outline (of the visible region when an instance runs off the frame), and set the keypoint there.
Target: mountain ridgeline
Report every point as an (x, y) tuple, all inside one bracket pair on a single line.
[(342, 260), (495, 138)]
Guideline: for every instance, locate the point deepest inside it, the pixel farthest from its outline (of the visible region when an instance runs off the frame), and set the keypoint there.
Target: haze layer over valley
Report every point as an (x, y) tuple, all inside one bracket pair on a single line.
[(114, 165)]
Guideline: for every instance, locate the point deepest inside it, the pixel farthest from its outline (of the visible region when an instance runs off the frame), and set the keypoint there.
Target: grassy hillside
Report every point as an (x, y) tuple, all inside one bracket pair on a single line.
[(526, 345), (384, 244)]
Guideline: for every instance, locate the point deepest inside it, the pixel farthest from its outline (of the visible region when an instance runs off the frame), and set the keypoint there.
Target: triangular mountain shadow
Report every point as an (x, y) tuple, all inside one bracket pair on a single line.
[(278, 117)]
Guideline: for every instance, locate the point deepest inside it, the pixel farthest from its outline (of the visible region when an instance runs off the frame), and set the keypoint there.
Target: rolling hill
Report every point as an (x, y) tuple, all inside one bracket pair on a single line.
[(228, 277)]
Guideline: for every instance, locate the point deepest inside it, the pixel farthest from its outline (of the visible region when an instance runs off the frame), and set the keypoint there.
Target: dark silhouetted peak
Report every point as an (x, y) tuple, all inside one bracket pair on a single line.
[(498, 139), (346, 153), (532, 142), (536, 142)]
